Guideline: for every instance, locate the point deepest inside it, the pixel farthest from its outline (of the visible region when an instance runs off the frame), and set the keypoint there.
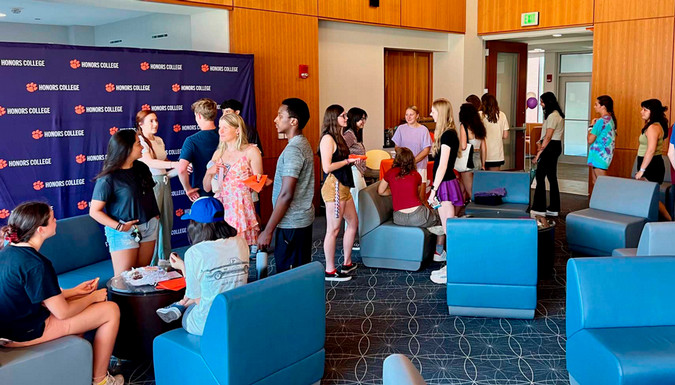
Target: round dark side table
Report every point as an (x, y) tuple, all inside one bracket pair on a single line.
[(545, 248), (139, 324)]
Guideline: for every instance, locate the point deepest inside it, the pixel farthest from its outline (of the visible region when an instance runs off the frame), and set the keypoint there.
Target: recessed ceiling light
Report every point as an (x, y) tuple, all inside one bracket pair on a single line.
[(557, 35), (537, 50), (2, 14)]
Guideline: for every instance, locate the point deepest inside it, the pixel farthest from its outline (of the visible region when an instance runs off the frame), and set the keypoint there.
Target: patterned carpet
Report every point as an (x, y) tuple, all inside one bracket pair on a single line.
[(381, 312)]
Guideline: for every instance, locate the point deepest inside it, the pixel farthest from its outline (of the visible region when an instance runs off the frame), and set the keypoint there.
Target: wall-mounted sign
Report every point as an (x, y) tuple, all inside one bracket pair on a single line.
[(529, 19)]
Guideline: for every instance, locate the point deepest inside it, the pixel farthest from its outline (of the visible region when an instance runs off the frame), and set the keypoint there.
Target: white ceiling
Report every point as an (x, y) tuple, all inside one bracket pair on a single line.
[(85, 12)]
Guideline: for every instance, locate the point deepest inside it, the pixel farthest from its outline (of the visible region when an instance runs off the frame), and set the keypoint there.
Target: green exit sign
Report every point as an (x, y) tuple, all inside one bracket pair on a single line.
[(529, 19)]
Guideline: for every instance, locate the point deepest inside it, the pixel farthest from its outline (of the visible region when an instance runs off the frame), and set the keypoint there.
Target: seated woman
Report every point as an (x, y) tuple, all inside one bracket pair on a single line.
[(402, 182), (34, 309), (216, 262)]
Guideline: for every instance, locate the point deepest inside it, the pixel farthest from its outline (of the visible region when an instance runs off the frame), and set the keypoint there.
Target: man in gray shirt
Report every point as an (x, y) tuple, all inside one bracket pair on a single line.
[(293, 191)]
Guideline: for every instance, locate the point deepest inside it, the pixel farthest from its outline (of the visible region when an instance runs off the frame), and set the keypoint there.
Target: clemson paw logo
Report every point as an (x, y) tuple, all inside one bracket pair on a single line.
[(180, 212), (74, 64), (3, 164), (176, 127), (79, 109), (145, 107), (205, 68), (38, 185), (113, 130), (31, 87), (145, 66), (80, 158), (4, 213), (82, 205), (175, 87), (2, 110), (110, 87), (37, 134)]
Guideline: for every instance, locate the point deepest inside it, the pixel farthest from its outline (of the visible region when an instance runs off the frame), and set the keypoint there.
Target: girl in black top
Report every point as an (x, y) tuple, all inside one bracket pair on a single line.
[(472, 132), (335, 162), (445, 186), (34, 309), (124, 188)]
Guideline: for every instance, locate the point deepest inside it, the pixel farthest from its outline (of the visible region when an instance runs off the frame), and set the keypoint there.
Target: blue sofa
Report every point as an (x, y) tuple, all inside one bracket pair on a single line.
[(517, 199), (64, 361), (658, 238), (618, 210), (621, 320), (492, 267), (267, 332), (398, 370), (385, 244), (79, 252)]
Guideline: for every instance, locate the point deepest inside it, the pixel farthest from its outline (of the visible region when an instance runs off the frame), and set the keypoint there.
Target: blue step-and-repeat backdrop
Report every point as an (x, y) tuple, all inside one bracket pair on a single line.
[(60, 104)]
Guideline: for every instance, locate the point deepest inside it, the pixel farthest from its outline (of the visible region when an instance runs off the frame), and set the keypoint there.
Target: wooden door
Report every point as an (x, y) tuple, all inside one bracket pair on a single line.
[(494, 69), (407, 81)]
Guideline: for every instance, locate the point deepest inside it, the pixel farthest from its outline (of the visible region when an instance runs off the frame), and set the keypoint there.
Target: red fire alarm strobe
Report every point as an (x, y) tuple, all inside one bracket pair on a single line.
[(303, 69), (549, 78)]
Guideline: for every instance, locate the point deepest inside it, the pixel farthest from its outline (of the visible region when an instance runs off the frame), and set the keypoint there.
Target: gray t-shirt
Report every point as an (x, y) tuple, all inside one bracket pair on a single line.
[(297, 161), (211, 268)]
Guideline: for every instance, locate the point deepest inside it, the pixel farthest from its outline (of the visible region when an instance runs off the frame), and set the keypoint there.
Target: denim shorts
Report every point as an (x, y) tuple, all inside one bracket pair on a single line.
[(119, 240)]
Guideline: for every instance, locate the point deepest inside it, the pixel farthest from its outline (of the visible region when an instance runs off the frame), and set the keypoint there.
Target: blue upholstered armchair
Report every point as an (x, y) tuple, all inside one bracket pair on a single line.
[(492, 267), (621, 320), (63, 361), (79, 252), (269, 332), (385, 244), (658, 238), (516, 201), (618, 211)]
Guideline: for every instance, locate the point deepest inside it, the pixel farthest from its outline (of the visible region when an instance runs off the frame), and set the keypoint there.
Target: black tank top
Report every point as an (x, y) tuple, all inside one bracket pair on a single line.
[(344, 173)]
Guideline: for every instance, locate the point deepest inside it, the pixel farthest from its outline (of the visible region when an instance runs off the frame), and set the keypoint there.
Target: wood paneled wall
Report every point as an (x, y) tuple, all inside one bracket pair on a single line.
[(388, 13), (280, 43), (227, 4), (620, 10), (632, 61), (504, 16), (302, 7), (407, 78), (447, 15)]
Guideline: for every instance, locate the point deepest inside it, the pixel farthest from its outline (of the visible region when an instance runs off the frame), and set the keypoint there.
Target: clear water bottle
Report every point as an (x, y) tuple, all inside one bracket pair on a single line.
[(164, 264), (261, 264)]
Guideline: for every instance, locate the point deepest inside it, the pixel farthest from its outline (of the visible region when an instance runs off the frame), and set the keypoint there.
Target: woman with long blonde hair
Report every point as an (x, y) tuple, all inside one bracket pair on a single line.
[(445, 188), (234, 161)]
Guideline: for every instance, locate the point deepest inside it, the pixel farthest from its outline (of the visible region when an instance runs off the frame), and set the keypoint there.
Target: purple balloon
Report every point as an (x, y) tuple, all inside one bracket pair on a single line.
[(532, 103)]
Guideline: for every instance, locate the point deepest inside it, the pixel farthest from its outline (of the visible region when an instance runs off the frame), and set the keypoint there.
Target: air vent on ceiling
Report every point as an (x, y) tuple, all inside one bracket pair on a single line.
[(160, 36), (115, 41)]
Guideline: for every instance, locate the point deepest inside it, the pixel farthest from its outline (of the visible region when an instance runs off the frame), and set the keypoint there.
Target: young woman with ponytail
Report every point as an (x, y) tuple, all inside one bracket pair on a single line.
[(154, 156), (602, 138), (34, 309)]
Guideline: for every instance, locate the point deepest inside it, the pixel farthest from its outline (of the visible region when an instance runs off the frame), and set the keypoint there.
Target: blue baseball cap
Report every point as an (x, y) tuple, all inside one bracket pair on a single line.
[(205, 210)]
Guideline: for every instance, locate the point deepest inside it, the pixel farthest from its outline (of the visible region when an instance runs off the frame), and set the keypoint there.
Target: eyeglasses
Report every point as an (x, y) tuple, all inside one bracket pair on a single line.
[(343, 116)]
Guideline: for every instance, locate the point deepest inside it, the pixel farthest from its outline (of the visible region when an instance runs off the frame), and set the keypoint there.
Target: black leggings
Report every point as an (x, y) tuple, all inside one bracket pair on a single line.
[(547, 168)]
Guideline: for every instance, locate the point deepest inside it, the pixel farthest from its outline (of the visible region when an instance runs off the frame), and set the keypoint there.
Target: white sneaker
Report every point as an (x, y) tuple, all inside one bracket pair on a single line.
[(118, 379), (442, 257), (534, 214), (436, 230), (551, 213), (441, 277), (169, 314)]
